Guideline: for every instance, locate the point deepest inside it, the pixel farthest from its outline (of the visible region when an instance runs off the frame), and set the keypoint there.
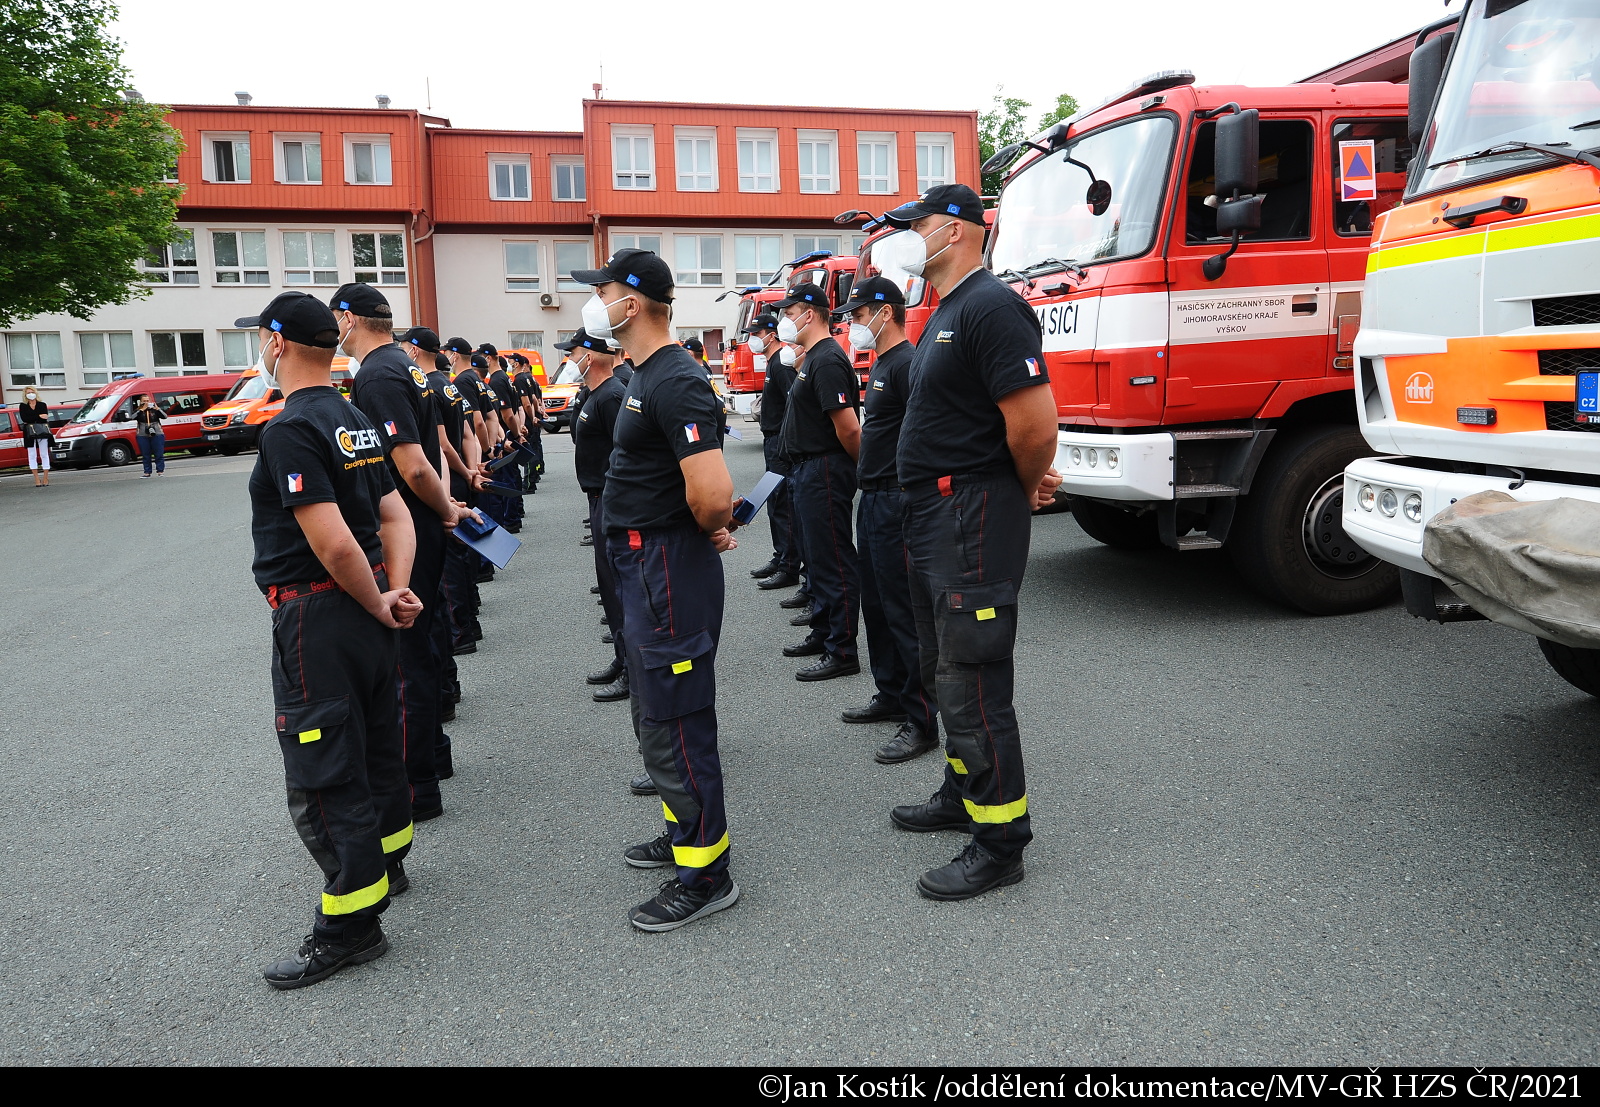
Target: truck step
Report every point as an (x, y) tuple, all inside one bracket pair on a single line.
[(1198, 542), (1203, 491), (1204, 435)]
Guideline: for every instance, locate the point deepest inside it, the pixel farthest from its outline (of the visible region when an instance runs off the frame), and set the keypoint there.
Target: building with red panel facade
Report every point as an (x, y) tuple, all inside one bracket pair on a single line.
[(474, 232)]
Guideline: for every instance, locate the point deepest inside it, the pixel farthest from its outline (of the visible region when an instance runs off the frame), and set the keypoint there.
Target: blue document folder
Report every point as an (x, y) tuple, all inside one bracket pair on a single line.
[(757, 497), (489, 539)]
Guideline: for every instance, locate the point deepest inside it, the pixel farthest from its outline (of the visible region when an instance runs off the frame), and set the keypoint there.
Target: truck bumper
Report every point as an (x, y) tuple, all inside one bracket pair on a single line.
[(1398, 539), (82, 449), (243, 437), (744, 403), (1115, 466)]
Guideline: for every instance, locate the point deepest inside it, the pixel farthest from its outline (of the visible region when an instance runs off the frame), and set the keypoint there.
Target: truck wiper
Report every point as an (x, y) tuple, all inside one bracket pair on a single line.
[(1056, 265), (1562, 150), (1011, 275)]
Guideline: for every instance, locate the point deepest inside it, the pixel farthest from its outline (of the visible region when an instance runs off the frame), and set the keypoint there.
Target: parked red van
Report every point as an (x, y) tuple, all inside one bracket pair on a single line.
[(102, 432)]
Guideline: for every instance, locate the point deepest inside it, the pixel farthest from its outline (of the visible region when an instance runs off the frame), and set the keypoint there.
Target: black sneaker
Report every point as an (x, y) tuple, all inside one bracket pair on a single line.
[(803, 617), (317, 959), (877, 710), (809, 648), (594, 589), (607, 675), (608, 638), (616, 690), (783, 578), (829, 666), (907, 744), (799, 599), (973, 871), (653, 854), (399, 882), (642, 785), (676, 905), (463, 648), (941, 812), (766, 570), (586, 540)]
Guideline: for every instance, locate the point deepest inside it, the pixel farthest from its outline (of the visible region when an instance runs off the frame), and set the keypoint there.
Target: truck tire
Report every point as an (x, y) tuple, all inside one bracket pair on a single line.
[(229, 451), (1578, 667), (118, 452), (1287, 538), (1111, 526)]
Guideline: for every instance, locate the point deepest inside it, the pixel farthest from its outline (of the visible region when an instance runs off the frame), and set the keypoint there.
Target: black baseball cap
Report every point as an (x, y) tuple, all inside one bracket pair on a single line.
[(640, 269), (694, 346), (299, 317), (479, 361), (441, 363), (458, 345), (766, 321), (873, 292), (519, 359), (951, 199), (423, 338), (804, 293), (587, 341), (361, 299), (487, 350)]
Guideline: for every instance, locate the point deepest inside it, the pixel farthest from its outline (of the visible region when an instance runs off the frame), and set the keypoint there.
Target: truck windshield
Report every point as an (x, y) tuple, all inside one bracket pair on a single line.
[(1045, 218), (251, 387), (95, 410), (742, 327), (877, 260), (1521, 71)]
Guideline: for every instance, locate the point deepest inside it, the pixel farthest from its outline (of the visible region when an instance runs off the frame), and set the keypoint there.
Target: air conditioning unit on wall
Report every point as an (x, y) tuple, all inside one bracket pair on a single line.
[(549, 299)]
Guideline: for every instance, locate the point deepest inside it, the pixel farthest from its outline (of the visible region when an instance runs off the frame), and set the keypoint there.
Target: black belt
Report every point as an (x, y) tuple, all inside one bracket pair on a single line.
[(801, 459), (944, 486), (279, 594), (885, 484)]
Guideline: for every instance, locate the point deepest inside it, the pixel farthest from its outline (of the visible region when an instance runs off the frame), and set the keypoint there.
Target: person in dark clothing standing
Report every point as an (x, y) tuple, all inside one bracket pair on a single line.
[(877, 314), (668, 509), (821, 437), (532, 399), (976, 444), (152, 436), (333, 551), (783, 571), (395, 395), (464, 365)]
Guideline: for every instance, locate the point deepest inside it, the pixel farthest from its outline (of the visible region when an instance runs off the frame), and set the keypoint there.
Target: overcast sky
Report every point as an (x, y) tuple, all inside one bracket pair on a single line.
[(527, 65)]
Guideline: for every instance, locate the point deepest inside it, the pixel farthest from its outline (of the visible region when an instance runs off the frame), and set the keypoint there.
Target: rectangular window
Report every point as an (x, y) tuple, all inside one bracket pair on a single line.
[(1285, 179), (308, 258), (807, 244), (36, 360), (175, 350), (299, 159), (633, 157), (508, 177), (240, 257), (699, 258), (935, 154), (238, 349), (366, 160), (566, 176), (103, 352), (819, 161), (380, 258), (226, 157), (857, 241), (756, 257), (570, 256), (651, 242), (875, 163), (522, 266), (527, 340), (1377, 189), (174, 262), (697, 159), (758, 160)]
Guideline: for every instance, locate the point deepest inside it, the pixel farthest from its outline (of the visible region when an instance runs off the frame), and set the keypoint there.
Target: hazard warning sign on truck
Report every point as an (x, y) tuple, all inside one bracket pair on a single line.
[(1358, 179)]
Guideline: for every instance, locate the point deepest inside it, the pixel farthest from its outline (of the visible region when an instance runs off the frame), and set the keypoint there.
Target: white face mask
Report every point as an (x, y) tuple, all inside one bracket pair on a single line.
[(786, 355), (918, 251), (30, 396), (268, 374), (345, 337), (757, 344), (861, 336), (597, 318), (788, 330)]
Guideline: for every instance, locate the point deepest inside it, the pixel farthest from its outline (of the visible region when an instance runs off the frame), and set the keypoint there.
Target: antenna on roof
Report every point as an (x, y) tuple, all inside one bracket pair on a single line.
[(243, 98), (383, 102)]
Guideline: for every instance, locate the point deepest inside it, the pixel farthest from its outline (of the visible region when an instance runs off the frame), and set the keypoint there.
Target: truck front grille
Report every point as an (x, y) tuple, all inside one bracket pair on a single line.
[(1563, 416), (1566, 311)]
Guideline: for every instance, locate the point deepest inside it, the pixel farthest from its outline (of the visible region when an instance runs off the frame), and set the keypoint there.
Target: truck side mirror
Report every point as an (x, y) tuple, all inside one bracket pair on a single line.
[(1238, 152), (1427, 71)]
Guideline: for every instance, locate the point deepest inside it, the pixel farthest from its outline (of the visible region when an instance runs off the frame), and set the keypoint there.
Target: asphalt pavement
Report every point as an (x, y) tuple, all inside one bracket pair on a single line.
[(1261, 837)]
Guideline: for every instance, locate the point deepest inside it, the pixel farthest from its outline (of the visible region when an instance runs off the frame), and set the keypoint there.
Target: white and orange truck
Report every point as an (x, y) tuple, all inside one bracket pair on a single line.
[(1478, 358)]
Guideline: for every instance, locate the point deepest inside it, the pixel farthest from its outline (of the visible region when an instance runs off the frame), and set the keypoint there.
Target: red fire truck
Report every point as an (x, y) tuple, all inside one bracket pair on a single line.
[(1195, 256)]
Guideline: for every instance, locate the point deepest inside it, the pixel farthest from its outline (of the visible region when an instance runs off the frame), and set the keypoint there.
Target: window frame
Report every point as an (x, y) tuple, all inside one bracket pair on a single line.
[(571, 163), (929, 140), (381, 272), (35, 376), (755, 135), (252, 345), (565, 283), (181, 350), (695, 172), (815, 244), (513, 162), (170, 265), (535, 279), (386, 142), (280, 156), (513, 343), (311, 268), (210, 171), (636, 236), (813, 139), (633, 133), (1403, 140), (758, 275), (701, 270), (108, 354), (242, 269), (891, 176)]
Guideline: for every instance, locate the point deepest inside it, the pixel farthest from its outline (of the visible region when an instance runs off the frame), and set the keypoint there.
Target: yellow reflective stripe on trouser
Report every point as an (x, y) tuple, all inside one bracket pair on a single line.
[(398, 839), (957, 764), (667, 811), (354, 901), (698, 857), (999, 813)]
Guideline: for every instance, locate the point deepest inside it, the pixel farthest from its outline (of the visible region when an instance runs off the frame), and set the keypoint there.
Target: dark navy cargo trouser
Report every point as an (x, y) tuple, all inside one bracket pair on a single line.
[(968, 538), (671, 586), (420, 692), (824, 496), (606, 578), (780, 508), (886, 605)]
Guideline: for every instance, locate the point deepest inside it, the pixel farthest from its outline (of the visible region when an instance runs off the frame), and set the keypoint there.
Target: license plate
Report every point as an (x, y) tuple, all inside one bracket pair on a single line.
[(213, 438), (1589, 393)]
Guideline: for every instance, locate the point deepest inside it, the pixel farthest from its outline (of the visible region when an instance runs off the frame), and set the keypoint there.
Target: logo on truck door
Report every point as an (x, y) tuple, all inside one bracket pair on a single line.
[(1419, 389)]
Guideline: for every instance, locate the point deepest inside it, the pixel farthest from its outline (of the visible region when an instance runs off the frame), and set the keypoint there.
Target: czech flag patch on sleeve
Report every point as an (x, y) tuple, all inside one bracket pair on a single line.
[(296, 483), (1033, 366), (389, 426), (842, 400), (691, 432)]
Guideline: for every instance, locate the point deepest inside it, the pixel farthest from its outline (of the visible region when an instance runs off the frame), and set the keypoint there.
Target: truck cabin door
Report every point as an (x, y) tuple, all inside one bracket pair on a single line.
[(1368, 160), (11, 444), (1267, 318)]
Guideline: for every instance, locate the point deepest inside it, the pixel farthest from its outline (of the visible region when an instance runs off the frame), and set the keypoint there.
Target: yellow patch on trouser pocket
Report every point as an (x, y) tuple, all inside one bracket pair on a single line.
[(310, 735), (985, 614), (682, 666)]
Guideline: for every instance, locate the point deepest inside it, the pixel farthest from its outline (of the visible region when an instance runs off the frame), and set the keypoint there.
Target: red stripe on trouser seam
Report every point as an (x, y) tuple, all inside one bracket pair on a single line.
[(666, 574)]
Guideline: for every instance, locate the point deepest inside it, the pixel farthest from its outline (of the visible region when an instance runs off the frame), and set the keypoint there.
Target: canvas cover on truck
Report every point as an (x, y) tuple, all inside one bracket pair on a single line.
[(1532, 565)]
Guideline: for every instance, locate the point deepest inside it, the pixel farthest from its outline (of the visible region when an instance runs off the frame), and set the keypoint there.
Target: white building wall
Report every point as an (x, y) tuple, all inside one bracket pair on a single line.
[(475, 304)]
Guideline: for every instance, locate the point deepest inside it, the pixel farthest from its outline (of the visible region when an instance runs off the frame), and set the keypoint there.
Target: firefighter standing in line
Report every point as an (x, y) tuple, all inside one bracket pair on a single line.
[(821, 437), (333, 550), (783, 571), (976, 444), (395, 395), (486, 424), (877, 313), (532, 398), (668, 507)]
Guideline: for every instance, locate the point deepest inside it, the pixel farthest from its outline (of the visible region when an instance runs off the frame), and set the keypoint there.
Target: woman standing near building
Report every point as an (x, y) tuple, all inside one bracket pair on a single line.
[(35, 416), (152, 436)]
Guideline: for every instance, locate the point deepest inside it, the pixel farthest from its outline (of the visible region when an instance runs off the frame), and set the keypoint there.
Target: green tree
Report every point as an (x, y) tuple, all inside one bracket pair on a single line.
[(81, 192), (1066, 107), (1004, 123)]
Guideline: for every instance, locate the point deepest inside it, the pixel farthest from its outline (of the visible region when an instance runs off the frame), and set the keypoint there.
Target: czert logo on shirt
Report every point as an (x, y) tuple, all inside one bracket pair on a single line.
[(1419, 388), (416, 375), (350, 441), (634, 404)]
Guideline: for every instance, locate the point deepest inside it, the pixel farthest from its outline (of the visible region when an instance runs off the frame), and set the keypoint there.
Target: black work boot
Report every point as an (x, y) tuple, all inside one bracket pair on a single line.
[(808, 648), (802, 618), (908, 743), (829, 666), (783, 578), (319, 958), (879, 709), (766, 570), (616, 690), (653, 854), (676, 905), (642, 785), (942, 812), (399, 882), (973, 871), (799, 599), (607, 675)]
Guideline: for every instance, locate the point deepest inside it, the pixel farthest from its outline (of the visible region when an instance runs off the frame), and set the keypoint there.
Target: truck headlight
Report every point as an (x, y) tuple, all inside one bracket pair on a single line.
[(238, 417), (1366, 497), (1077, 456), (1413, 508), (1094, 458), (1112, 460), (1388, 502)]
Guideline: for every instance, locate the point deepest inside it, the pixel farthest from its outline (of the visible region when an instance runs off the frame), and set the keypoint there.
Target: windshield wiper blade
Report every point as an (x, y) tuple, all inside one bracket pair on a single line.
[(1562, 150), (1584, 126), (1056, 265), (1011, 275)]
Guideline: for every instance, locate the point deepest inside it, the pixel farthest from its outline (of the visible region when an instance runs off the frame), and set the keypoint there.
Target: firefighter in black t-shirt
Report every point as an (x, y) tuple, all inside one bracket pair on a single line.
[(531, 396), (783, 571), (821, 437), (333, 553), (464, 366), (668, 508), (395, 395), (498, 377), (877, 313), (976, 444)]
